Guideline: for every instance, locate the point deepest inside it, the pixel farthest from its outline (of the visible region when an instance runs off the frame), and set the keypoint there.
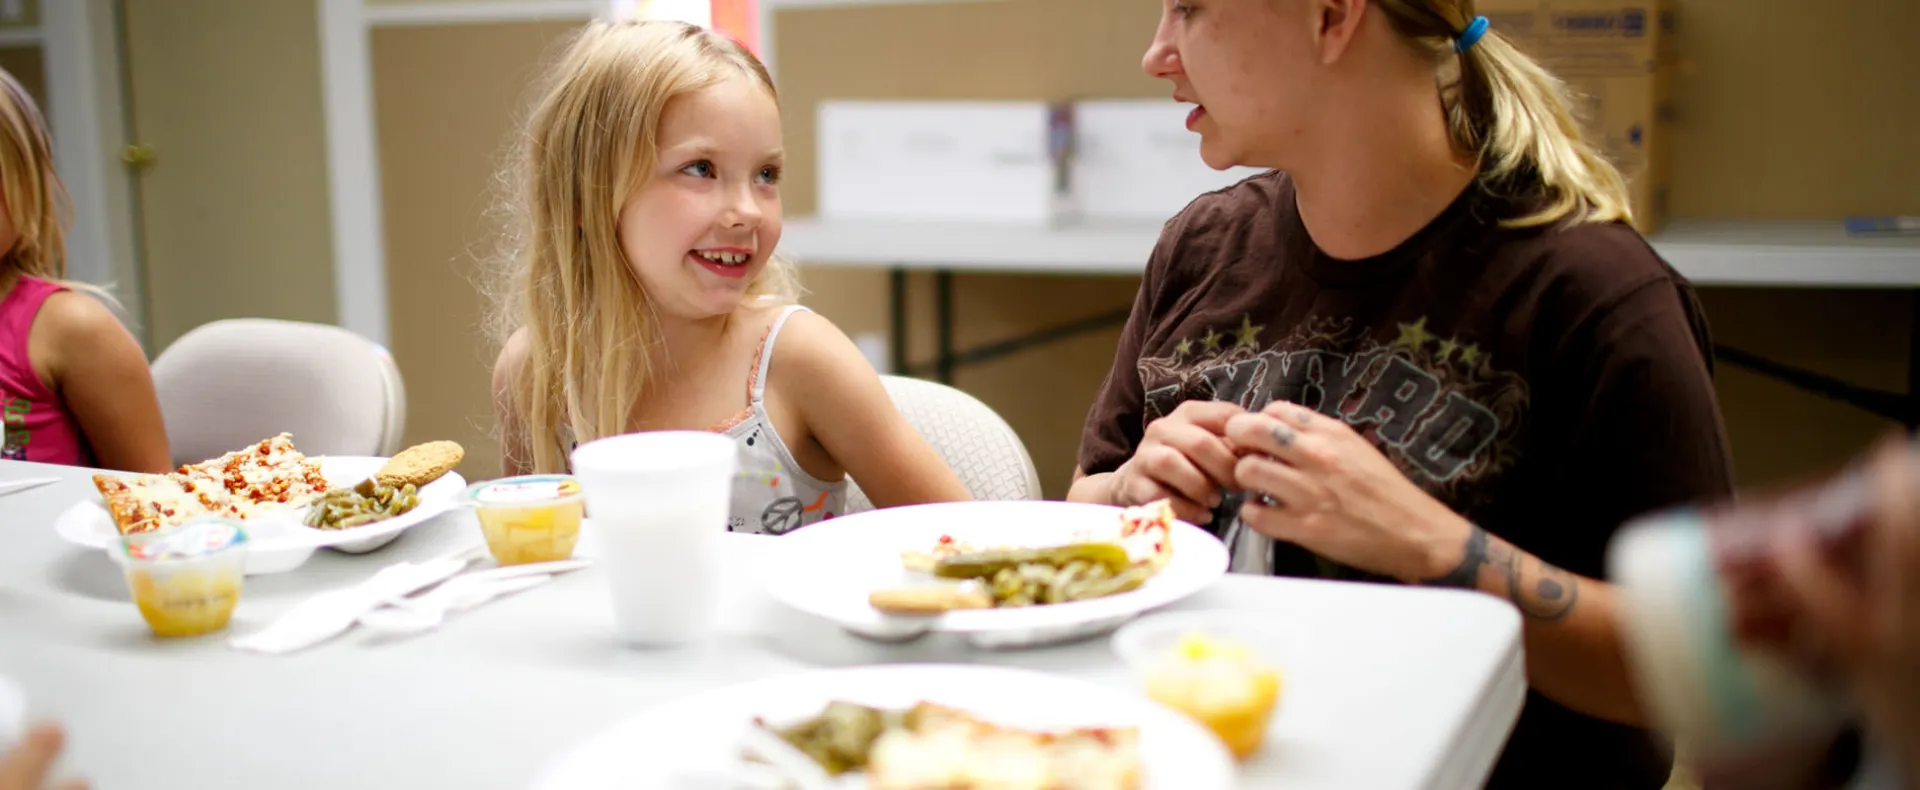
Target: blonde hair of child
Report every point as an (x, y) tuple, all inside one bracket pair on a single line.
[(37, 200), (588, 145), (1516, 117)]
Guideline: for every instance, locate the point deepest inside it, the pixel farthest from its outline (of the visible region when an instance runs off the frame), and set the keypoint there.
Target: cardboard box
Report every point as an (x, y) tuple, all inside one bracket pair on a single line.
[(937, 161), (1029, 163), (1135, 161), (1619, 59)]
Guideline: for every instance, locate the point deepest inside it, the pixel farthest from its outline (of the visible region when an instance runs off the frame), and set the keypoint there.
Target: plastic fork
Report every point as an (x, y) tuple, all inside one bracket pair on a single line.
[(408, 616)]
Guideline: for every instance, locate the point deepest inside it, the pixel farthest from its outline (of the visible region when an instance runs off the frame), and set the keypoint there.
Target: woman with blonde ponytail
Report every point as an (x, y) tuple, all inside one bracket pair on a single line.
[(1426, 347), (75, 388)]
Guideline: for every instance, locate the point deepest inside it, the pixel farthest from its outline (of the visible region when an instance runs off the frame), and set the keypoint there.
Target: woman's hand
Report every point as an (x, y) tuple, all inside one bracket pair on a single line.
[(27, 766), (1859, 602), (1329, 490), (1184, 457), (1845, 606)]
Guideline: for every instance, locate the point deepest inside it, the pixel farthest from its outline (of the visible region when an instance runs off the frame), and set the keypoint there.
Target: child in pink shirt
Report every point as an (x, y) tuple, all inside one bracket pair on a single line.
[(74, 386)]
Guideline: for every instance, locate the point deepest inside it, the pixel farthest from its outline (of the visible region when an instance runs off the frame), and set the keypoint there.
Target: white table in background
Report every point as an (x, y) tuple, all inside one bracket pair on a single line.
[(1711, 254), (1764, 254), (498, 693)]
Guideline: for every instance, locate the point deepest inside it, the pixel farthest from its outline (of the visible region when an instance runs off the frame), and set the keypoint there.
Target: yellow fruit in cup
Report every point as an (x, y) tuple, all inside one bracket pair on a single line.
[(186, 580), (529, 519), (1221, 685), (187, 603)]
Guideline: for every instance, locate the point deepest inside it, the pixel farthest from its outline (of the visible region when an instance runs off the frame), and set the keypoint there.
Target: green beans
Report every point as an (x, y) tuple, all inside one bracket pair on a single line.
[(987, 564), (1125, 581), (1035, 583), (841, 737), (1048, 575), (360, 505)]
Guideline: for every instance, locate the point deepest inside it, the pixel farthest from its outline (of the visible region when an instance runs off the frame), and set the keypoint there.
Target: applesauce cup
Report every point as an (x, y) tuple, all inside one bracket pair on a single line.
[(1217, 667), (186, 580), (533, 518)]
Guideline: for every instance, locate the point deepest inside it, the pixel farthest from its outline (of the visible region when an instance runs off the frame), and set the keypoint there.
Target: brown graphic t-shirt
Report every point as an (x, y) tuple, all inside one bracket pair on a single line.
[(1547, 383)]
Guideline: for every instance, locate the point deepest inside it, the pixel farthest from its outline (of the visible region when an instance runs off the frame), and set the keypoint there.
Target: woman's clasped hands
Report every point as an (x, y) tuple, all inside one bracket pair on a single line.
[(1310, 480)]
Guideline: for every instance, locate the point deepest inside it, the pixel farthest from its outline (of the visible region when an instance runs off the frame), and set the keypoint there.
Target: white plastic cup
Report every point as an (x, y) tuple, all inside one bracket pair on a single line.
[(658, 503), (1699, 683)]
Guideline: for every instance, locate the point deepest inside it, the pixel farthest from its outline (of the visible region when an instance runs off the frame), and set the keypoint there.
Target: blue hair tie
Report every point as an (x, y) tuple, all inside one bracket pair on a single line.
[(1471, 35)]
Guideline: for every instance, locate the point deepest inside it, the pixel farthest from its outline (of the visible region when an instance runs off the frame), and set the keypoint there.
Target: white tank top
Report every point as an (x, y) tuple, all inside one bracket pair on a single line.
[(772, 495)]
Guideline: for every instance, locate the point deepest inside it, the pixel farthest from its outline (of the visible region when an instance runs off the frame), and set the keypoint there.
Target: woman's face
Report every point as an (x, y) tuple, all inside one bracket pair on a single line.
[(1247, 65)]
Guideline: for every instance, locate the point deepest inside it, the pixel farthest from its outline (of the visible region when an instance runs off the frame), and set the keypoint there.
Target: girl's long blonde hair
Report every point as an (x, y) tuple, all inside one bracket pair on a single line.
[(589, 145), (1516, 117), (37, 200)]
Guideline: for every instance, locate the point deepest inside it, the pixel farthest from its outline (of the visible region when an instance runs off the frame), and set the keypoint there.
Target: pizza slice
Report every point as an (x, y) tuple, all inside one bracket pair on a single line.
[(270, 476), (266, 478), (144, 503), (946, 546), (948, 749), (1147, 532)]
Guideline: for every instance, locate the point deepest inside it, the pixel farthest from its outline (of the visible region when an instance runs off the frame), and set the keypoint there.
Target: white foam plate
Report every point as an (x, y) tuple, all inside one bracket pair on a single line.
[(829, 569), (282, 544), (670, 745)]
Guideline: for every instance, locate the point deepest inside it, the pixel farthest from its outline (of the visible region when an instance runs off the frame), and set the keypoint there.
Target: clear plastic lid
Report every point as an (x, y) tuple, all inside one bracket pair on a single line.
[(196, 539), (1197, 638), (528, 490)]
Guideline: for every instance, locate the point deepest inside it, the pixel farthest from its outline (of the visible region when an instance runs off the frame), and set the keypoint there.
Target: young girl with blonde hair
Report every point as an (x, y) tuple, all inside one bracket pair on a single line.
[(74, 385), (1427, 347), (645, 293)]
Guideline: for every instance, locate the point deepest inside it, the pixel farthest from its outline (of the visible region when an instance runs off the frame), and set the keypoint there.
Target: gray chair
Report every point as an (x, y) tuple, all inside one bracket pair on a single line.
[(233, 382), (982, 449)]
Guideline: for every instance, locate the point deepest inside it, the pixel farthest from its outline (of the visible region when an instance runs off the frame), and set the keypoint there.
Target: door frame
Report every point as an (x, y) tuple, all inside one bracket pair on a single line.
[(353, 170), (80, 46)]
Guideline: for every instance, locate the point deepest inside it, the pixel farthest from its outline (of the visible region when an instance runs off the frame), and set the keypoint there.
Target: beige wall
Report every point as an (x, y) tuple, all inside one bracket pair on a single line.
[(234, 218), (1797, 110), (1779, 433), (29, 15), (1759, 136), (28, 66), (446, 98), (379, 3)]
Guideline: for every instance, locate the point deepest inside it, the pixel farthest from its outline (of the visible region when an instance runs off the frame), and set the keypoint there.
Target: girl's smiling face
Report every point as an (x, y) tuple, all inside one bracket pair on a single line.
[(708, 218)]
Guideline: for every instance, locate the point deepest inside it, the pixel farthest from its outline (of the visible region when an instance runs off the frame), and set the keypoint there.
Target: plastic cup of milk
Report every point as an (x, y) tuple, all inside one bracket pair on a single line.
[(658, 504)]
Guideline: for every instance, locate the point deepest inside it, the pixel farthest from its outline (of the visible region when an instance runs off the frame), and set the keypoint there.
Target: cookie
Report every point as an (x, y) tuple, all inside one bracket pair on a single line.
[(929, 600), (420, 464)]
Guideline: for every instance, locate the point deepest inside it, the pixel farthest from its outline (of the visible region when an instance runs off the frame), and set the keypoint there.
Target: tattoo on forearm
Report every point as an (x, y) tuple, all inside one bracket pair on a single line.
[(1466, 575), (1541, 591)]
